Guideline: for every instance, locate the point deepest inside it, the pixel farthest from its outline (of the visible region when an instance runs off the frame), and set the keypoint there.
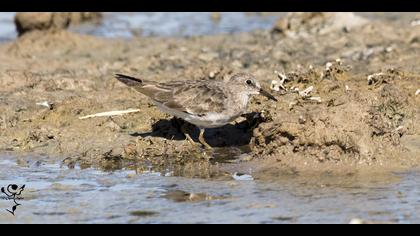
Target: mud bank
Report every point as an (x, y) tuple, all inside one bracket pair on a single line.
[(361, 114)]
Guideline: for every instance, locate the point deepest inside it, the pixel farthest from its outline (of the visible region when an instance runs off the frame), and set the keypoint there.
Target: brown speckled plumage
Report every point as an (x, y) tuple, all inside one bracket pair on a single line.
[(205, 103)]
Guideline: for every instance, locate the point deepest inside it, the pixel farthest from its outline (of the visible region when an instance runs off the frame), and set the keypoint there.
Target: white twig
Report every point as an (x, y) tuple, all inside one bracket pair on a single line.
[(347, 88), (282, 76), (292, 104), (399, 128), (318, 99), (110, 113), (45, 104), (277, 85), (306, 92)]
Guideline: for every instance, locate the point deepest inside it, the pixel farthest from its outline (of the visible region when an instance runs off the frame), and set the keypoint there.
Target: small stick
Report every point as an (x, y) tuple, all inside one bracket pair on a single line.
[(305, 93), (110, 113), (318, 99), (47, 104), (277, 85)]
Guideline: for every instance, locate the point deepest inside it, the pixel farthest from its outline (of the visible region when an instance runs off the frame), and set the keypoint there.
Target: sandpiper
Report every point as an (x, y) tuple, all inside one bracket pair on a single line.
[(204, 103)]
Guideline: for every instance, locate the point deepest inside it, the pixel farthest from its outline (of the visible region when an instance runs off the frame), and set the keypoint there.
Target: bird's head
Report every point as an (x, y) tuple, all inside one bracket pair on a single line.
[(248, 84)]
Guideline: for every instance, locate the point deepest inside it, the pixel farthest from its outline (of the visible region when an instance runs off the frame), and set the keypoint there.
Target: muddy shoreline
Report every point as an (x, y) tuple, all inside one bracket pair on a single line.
[(364, 75)]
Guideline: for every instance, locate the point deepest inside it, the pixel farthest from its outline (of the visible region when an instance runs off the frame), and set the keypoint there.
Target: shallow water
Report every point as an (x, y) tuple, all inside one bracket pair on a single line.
[(56, 194), (7, 27), (127, 25), (182, 24)]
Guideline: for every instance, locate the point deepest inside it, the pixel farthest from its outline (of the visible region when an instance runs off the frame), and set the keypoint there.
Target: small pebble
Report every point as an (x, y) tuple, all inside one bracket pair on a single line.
[(212, 75), (328, 66), (131, 175), (242, 177), (246, 158), (347, 88), (275, 85), (338, 60)]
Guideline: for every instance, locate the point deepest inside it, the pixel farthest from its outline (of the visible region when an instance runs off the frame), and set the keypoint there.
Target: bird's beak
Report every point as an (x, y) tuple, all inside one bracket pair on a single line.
[(265, 93)]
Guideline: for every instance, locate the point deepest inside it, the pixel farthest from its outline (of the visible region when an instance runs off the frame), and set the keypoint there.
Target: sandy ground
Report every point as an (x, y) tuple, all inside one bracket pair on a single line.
[(362, 114)]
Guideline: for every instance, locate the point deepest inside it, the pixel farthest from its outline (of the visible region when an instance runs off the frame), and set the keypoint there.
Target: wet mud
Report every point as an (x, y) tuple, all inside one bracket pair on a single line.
[(346, 87)]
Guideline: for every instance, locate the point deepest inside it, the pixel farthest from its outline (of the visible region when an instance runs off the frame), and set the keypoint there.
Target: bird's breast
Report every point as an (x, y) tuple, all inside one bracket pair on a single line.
[(238, 103)]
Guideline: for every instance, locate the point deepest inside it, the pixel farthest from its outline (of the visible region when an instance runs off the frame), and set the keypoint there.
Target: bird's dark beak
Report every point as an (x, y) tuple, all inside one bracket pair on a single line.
[(265, 93)]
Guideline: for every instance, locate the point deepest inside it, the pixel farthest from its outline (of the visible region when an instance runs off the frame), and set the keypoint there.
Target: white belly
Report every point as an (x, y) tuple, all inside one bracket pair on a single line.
[(210, 120)]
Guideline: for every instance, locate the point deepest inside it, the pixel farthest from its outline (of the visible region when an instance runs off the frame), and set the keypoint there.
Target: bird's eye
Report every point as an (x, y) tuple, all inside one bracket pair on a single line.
[(248, 82)]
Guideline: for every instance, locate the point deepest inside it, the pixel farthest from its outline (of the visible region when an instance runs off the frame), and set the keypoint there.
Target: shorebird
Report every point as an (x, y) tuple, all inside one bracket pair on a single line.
[(204, 103)]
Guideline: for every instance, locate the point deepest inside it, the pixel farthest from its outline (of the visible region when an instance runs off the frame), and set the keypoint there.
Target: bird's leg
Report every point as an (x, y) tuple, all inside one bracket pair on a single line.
[(185, 132), (201, 139)]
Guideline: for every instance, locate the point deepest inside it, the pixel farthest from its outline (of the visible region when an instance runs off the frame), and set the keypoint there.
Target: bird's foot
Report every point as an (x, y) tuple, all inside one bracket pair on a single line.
[(206, 145), (203, 141), (190, 140)]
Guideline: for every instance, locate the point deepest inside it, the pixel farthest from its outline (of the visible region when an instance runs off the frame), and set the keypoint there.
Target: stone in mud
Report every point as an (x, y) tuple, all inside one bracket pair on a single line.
[(316, 23), (29, 21), (182, 196), (140, 213)]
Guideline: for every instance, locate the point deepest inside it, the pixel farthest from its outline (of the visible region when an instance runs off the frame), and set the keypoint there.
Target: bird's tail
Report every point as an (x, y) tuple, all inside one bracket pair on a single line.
[(128, 80)]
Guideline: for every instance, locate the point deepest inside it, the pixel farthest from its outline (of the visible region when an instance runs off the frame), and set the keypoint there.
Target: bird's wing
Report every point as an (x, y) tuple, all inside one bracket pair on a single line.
[(193, 97), (149, 88), (156, 91), (197, 98)]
